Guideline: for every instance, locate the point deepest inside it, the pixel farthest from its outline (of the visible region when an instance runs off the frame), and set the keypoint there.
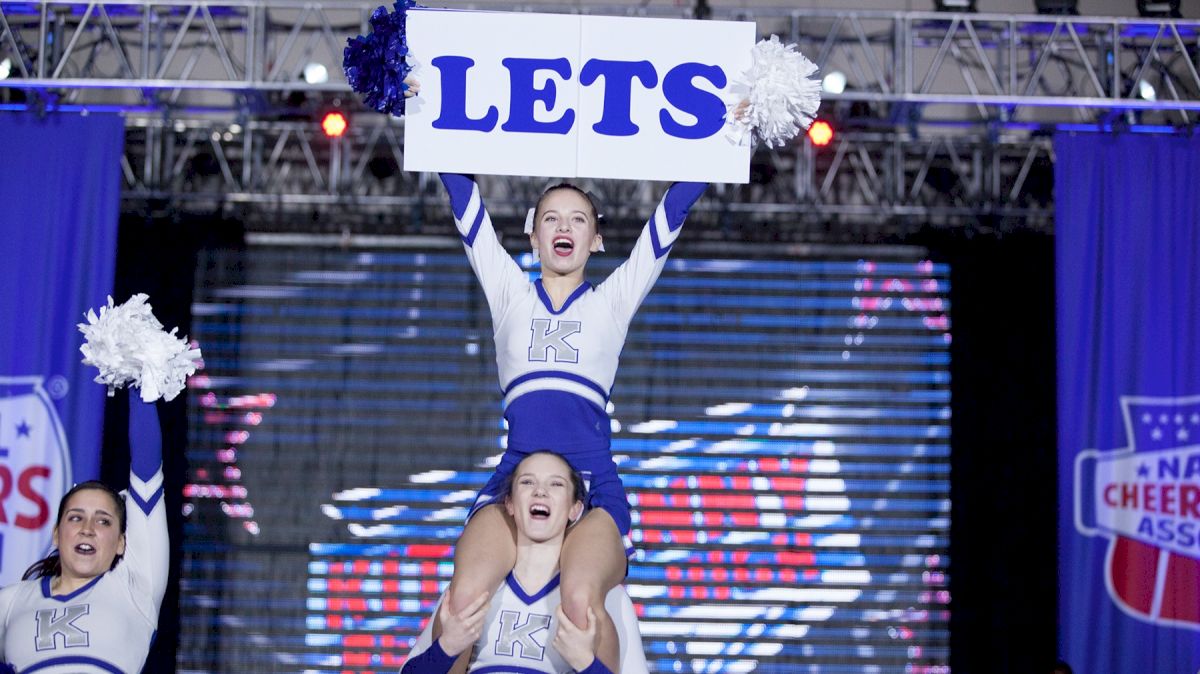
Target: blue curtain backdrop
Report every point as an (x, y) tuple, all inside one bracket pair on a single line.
[(1128, 273), (60, 189)]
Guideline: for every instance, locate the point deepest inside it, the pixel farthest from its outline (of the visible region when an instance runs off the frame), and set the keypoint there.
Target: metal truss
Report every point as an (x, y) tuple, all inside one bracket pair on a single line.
[(866, 183), (940, 120), (975, 67), (170, 54), (167, 54)]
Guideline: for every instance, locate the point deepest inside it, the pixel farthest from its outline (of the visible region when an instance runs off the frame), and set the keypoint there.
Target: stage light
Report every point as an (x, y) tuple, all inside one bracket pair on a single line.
[(334, 124), (834, 82), (1068, 7), (954, 5), (5, 68), (315, 73), (1162, 9), (820, 133), (1146, 91)]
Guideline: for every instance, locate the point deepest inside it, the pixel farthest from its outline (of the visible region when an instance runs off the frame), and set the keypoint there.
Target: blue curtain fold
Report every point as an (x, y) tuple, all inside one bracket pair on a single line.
[(1128, 326), (60, 186)]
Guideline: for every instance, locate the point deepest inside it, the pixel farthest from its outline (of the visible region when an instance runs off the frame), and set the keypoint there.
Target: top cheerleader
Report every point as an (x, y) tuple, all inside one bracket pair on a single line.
[(558, 340)]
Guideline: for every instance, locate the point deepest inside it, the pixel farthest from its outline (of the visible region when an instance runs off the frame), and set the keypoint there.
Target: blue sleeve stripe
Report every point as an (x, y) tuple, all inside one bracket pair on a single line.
[(670, 215), (460, 188), (469, 239), (507, 669), (145, 438), (679, 200), (659, 249), (433, 661), (596, 667), (148, 504), (75, 660), (569, 376)]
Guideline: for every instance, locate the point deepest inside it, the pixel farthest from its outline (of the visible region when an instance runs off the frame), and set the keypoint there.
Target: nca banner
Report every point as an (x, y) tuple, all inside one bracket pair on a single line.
[(575, 96), (58, 234), (35, 472), (1145, 499), (1127, 228)]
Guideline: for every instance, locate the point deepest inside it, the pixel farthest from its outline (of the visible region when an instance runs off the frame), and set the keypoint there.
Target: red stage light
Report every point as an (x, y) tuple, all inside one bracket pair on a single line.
[(334, 124), (820, 133)]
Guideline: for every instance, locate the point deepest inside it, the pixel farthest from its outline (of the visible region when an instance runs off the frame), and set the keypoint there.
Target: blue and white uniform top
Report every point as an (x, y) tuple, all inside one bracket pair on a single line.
[(108, 624), (519, 630), (557, 365)]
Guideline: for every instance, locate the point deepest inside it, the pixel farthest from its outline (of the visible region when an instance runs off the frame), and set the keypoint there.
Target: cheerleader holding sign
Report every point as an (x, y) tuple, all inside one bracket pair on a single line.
[(558, 339)]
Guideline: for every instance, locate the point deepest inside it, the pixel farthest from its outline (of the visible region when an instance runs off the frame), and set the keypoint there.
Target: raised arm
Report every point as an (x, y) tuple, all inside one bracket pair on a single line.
[(631, 282), (499, 275), (147, 546)]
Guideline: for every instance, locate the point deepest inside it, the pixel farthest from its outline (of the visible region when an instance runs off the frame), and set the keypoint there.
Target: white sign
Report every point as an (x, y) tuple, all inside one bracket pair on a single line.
[(575, 96)]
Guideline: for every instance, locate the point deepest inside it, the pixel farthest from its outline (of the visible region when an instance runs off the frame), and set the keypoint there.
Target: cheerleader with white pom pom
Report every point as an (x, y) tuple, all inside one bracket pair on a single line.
[(558, 341), (92, 605)]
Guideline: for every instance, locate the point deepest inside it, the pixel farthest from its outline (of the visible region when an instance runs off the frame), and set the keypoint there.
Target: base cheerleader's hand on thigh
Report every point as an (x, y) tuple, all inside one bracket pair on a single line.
[(461, 630)]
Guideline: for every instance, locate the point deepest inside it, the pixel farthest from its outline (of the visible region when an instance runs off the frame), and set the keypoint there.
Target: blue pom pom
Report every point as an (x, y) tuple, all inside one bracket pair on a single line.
[(375, 64)]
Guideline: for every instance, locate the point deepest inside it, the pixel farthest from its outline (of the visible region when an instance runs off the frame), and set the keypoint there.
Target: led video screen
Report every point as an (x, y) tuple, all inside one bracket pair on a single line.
[(782, 427)]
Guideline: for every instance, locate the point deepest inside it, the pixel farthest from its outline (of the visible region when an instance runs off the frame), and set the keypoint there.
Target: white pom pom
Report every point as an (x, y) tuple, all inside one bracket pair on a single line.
[(129, 346), (779, 98)]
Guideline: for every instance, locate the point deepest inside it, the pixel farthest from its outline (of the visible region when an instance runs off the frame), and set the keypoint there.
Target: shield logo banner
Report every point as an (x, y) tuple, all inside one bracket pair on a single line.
[(35, 472), (1145, 499)]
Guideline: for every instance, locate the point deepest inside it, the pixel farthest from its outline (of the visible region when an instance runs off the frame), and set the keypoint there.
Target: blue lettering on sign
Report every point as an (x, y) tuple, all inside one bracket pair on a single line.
[(523, 95), (706, 106), (678, 87), (618, 92), (454, 97)]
